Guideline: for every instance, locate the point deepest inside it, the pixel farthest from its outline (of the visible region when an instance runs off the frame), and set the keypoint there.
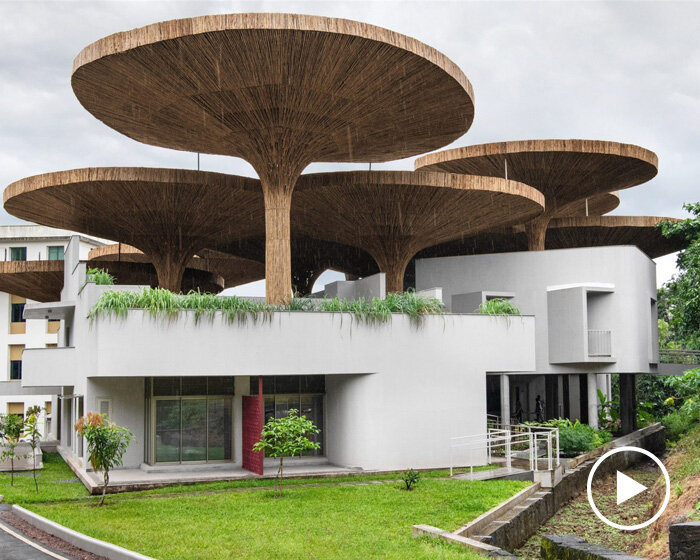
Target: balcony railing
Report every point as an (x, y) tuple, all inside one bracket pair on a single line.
[(599, 343), (689, 357)]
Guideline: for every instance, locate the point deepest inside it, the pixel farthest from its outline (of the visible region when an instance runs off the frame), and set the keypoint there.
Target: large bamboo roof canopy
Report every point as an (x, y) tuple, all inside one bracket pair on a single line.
[(394, 214), (208, 271), (568, 233), (280, 91), (168, 214), (565, 171), (36, 280), (596, 205)]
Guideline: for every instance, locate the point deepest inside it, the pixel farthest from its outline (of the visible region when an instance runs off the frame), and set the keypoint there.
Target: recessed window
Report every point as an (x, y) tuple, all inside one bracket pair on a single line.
[(15, 369), (18, 253), (17, 313), (56, 253)]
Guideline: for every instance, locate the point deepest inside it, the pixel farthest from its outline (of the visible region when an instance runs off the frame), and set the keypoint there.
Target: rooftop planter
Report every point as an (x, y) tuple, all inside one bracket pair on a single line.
[(164, 303)]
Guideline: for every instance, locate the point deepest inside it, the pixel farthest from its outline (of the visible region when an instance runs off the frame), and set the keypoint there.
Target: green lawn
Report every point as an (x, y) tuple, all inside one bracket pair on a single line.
[(324, 518), (53, 481)]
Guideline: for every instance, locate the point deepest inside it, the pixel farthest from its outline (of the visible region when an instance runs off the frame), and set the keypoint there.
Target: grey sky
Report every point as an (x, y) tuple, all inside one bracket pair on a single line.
[(624, 71)]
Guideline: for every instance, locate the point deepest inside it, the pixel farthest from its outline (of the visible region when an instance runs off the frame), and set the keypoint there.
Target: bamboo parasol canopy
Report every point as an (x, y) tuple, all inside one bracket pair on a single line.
[(168, 214), (36, 280), (597, 205), (565, 171), (280, 91), (568, 233), (208, 271), (394, 214)]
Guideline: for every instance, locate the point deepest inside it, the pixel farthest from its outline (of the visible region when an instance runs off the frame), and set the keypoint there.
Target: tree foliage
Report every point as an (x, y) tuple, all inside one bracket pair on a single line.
[(106, 442), (11, 426), (33, 437), (679, 298), (286, 437)]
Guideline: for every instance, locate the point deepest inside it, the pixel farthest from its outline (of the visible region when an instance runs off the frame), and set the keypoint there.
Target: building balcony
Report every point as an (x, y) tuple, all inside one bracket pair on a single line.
[(599, 343)]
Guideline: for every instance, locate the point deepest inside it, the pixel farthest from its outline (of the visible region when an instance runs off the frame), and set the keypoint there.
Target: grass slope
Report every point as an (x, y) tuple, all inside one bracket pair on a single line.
[(349, 521), (56, 483)]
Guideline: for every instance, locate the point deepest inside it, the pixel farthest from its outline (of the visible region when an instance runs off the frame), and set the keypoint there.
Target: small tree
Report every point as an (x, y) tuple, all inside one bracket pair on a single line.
[(106, 442), (33, 437), (286, 437), (10, 431)]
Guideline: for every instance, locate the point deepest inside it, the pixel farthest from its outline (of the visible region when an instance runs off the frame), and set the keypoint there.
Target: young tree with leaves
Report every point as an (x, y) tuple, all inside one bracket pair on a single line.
[(10, 432), (33, 436), (106, 442), (286, 437)]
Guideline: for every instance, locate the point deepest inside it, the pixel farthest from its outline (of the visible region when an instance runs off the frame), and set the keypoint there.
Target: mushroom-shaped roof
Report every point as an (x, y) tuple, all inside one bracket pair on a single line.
[(209, 271), (601, 231), (597, 205), (169, 214), (36, 280), (569, 233), (565, 171), (394, 214), (242, 84)]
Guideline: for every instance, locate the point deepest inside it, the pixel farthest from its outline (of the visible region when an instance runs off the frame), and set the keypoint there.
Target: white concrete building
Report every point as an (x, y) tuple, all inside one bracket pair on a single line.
[(29, 243), (387, 396)]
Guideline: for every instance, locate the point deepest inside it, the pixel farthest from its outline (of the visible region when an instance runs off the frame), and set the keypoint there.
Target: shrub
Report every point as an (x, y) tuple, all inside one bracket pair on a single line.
[(100, 276), (498, 306), (576, 438), (676, 424), (11, 426), (410, 478), (286, 437), (107, 444)]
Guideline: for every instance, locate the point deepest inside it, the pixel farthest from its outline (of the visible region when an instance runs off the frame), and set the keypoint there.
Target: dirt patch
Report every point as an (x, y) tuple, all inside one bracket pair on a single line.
[(577, 517), (46, 540)]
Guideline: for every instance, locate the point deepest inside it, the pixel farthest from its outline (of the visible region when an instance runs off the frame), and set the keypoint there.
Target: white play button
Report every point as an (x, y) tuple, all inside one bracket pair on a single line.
[(627, 488)]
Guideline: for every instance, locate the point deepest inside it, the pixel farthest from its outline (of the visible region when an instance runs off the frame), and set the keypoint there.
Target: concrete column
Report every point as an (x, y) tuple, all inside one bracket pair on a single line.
[(602, 382), (592, 385), (628, 403), (505, 399)]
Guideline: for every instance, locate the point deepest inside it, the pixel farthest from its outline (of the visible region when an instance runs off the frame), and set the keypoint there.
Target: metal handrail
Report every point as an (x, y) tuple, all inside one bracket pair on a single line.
[(512, 436), (673, 356)]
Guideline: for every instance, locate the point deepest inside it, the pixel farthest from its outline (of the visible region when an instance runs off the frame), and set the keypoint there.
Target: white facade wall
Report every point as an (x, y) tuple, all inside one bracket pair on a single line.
[(36, 240), (395, 393), (553, 286)]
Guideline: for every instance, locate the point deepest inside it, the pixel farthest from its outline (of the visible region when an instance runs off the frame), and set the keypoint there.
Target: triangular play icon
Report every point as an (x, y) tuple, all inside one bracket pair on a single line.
[(627, 488)]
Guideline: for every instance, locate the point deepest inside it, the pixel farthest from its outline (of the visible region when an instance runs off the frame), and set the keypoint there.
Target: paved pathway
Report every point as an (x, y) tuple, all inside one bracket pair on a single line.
[(16, 546)]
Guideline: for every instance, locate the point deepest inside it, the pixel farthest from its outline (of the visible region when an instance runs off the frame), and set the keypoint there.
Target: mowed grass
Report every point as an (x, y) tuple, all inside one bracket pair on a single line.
[(56, 482), (355, 521)]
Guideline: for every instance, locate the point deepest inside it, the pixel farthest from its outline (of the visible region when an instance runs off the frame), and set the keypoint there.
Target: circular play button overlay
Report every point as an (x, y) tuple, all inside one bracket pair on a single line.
[(620, 497)]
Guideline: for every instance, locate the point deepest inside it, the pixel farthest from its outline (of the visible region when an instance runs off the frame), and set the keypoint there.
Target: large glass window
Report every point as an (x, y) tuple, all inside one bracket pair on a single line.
[(192, 419), (56, 253), (301, 392), (18, 253)]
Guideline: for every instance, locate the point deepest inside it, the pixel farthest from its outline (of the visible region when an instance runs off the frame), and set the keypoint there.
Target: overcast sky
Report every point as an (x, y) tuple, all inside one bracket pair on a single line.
[(623, 71)]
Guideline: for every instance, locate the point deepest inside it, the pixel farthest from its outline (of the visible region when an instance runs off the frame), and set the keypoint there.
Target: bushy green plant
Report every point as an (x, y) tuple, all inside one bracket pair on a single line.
[(576, 438), (676, 424), (286, 437), (106, 444), (100, 277), (498, 306), (11, 426), (160, 302), (410, 478)]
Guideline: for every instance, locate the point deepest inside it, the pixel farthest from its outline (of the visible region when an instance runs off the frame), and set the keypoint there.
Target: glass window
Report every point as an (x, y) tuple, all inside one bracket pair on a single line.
[(286, 384), (219, 429), (56, 253), (166, 386), (312, 384), (194, 385), (194, 429), (18, 253), (16, 369), (167, 430), (17, 313), (220, 386)]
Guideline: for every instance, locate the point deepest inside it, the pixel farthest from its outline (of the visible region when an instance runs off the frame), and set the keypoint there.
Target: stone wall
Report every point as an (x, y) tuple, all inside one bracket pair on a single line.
[(684, 541), (521, 527), (569, 547)]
